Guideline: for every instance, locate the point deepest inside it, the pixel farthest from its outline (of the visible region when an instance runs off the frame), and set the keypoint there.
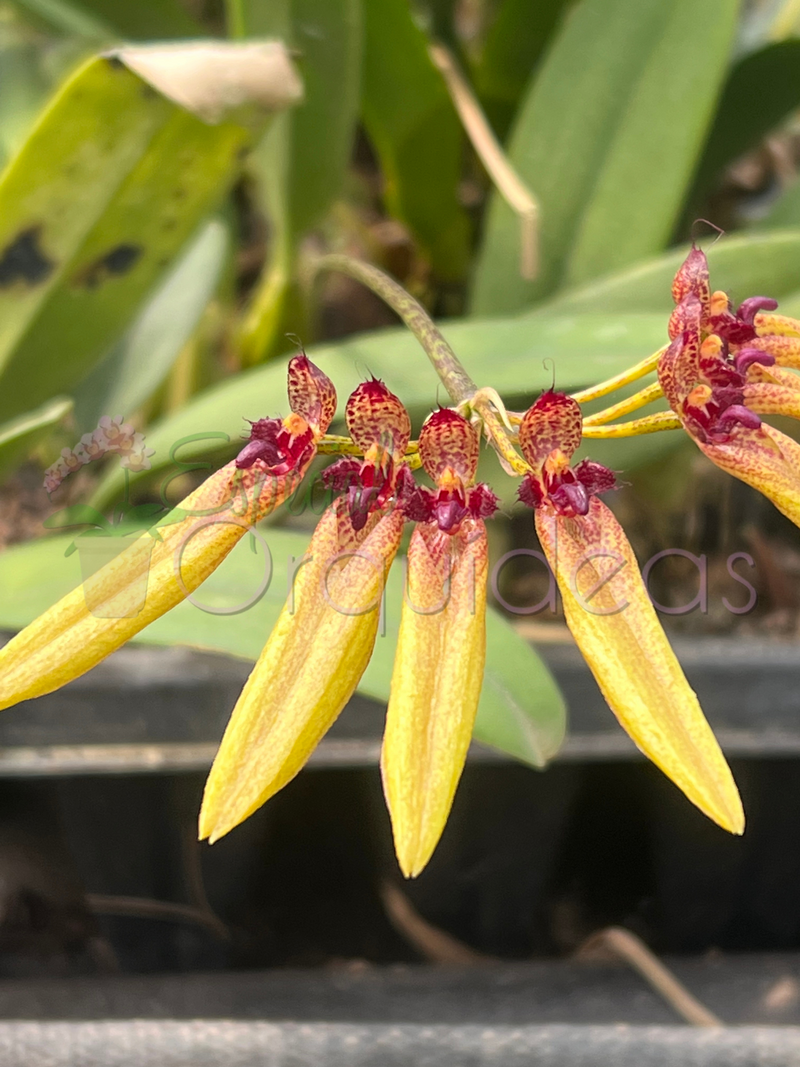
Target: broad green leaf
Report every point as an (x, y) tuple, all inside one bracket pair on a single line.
[(140, 362), (763, 264), (69, 17), (784, 212), (302, 163), (608, 138), (761, 90), (110, 183), (142, 20), (20, 436), (24, 86), (416, 133), (513, 47), (327, 36), (517, 356), (521, 710)]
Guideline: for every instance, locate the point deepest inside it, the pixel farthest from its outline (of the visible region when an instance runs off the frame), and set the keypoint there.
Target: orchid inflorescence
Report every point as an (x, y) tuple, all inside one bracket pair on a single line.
[(720, 372)]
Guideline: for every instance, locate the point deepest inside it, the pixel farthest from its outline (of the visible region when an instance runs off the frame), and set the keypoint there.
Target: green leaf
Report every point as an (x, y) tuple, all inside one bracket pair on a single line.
[(302, 163), (513, 47), (608, 138), (416, 133), (765, 264), (142, 20), (140, 362), (521, 710), (110, 183), (20, 436), (327, 36), (70, 18), (24, 86), (762, 89)]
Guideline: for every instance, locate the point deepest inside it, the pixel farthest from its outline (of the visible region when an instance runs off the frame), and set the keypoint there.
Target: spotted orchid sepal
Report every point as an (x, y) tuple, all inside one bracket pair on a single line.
[(321, 645), (441, 647), (173, 560), (284, 445), (380, 427), (610, 614)]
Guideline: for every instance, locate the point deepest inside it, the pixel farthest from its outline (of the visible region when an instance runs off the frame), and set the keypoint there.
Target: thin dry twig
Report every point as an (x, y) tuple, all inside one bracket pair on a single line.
[(509, 184), (145, 908), (431, 942), (630, 948)]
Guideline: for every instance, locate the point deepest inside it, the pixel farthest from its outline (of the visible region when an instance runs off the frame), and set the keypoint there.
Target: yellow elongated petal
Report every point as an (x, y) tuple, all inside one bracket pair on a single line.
[(91, 621), (785, 347), (774, 398), (615, 626), (309, 668), (766, 459), (767, 322), (436, 684)]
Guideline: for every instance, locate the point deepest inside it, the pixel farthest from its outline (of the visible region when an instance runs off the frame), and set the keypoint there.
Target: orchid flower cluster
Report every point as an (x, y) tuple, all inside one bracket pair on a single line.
[(112, 436), (720, 372)]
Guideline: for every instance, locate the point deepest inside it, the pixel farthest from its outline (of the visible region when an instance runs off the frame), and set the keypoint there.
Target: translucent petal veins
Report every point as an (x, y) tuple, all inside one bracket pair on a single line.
[(309, 668), (612, 619)]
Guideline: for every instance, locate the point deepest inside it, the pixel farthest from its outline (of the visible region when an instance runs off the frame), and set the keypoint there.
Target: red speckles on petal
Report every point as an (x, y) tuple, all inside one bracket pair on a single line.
[(678, 368), (448, 441), (554, 422), (311, 393), (375, 416), (692, 277)]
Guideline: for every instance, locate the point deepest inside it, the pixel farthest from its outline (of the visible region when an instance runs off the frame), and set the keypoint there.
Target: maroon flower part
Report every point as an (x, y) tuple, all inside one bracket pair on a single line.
[(284, 445), (705, 370), (691, 283), (549, 434), (448, 447), (705, 386), (723, 371), (380, 426)]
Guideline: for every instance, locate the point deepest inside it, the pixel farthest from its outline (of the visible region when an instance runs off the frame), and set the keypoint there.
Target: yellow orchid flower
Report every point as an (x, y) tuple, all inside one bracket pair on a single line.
[(323, 640), (441, 648), (609, 612), (88, 624)]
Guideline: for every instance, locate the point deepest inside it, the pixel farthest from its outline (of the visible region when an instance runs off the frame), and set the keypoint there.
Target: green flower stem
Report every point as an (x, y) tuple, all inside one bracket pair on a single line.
[(445, 362), (462, 389)]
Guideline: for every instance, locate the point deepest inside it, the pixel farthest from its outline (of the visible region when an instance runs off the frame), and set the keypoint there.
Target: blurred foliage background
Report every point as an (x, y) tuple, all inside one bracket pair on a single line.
[(627, 121)]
